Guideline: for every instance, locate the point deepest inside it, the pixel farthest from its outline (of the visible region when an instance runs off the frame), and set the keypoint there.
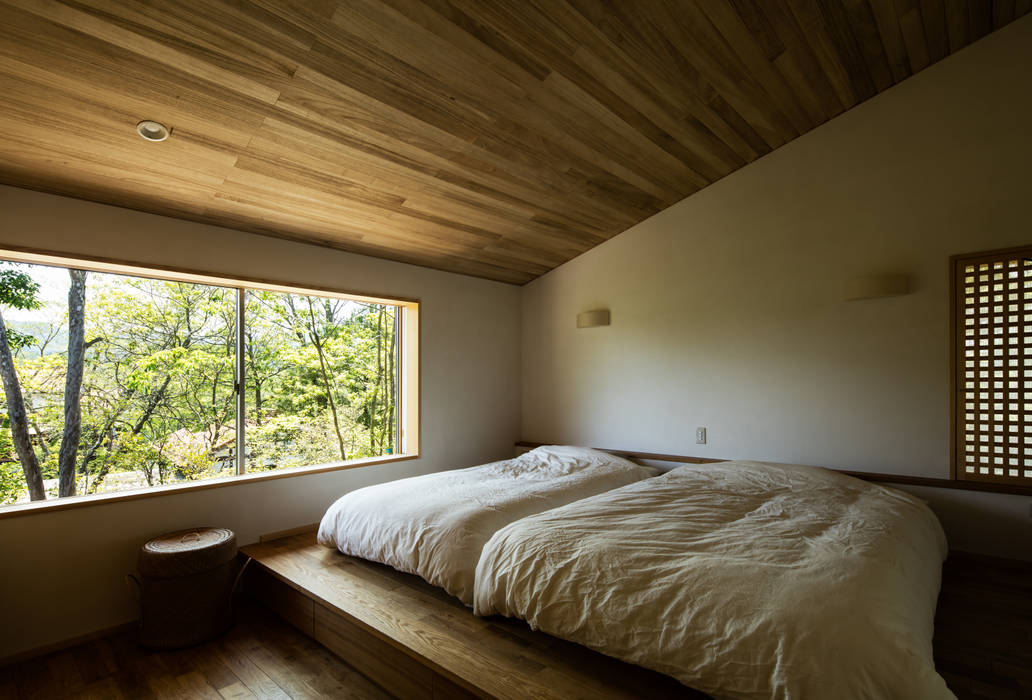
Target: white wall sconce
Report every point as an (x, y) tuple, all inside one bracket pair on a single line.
[(591, 319), (877, 286)]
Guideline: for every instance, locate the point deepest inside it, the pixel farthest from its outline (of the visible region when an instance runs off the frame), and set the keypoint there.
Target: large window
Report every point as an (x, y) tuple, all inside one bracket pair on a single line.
[(322, 379), (115, 382), (993, 367)]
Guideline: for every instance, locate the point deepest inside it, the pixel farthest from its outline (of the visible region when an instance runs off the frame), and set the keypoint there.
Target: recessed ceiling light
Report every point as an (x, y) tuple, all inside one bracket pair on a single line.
[(152, 131)]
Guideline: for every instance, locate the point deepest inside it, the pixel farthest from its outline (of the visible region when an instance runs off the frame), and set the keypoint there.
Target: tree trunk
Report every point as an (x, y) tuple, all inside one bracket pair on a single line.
[(106, 434), (40, 441), (66, 460), (379, 379), (317, 341), (255, 379), (393, 406), (19, 419), (152, 405)]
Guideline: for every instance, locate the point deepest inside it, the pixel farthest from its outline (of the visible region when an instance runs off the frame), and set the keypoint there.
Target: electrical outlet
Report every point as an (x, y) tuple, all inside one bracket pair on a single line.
[(700, 436)]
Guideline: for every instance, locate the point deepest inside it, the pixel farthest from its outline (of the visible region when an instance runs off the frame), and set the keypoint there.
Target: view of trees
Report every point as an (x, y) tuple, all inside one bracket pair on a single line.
[(113, 383)]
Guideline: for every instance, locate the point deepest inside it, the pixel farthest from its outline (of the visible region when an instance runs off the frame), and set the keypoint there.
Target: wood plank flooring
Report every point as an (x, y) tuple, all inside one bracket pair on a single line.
[(261, 657), (983, 628), (983, 648)]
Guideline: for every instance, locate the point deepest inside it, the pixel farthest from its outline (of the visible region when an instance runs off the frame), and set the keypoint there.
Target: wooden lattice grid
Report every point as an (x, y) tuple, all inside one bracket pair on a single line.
[(993, 366)]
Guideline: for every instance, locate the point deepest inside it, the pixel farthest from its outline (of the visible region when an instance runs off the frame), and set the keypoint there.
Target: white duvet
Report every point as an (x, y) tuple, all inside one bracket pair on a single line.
[(741, 579), (435, 525)]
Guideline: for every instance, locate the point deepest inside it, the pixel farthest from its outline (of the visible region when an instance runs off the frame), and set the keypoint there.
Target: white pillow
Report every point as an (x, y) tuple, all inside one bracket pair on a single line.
[(566, 459)]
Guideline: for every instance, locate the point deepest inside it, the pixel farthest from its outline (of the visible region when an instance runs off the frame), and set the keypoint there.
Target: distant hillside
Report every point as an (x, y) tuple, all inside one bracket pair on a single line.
[(42, 331)]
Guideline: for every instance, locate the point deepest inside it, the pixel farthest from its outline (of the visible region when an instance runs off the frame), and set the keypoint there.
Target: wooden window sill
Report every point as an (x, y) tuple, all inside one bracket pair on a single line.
[(50, 505)]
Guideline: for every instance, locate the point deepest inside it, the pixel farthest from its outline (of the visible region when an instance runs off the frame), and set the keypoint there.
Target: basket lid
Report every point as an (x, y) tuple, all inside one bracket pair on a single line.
[(187, 552)]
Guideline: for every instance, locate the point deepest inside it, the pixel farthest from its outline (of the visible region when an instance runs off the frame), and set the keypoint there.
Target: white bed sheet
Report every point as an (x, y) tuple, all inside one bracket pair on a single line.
[(743, 580), (435, 525)]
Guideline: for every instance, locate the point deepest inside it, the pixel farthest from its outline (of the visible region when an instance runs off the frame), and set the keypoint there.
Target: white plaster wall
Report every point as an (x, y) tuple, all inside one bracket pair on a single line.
[(61, 572), (728, 311)]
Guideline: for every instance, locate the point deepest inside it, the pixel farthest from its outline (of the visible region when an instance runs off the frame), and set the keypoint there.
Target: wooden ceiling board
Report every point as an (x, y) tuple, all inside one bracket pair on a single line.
[(497, 139)]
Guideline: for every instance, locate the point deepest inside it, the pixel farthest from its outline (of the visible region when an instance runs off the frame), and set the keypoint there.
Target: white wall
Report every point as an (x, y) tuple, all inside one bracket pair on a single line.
[(61, 572), (728, 311)]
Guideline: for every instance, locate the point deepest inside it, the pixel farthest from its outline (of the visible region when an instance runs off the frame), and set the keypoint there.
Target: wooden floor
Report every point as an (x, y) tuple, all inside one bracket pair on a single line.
[(983, 645), (261, 657), (983, 628)]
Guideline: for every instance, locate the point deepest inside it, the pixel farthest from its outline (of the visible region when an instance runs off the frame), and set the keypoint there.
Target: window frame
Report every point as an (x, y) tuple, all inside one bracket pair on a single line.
[(408, 402), (990, 482)]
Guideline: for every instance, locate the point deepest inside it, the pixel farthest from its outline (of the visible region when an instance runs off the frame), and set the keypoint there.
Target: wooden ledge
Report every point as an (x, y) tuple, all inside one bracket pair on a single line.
[(931, 482), (418, 642), (102, 499)]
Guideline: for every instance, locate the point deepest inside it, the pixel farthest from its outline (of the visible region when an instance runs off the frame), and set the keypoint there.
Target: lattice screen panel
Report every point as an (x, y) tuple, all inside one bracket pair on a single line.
[(993, 420)]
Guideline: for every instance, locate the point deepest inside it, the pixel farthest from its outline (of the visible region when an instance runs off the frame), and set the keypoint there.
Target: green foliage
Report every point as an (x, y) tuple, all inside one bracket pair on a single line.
[(290, 441), (18, 340), (158, 401), (18, 291), (12, 482), (17, 288)]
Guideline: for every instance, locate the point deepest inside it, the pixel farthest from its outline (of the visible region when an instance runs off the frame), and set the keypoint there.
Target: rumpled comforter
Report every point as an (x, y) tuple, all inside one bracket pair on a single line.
[(435, 525), (740, 579)]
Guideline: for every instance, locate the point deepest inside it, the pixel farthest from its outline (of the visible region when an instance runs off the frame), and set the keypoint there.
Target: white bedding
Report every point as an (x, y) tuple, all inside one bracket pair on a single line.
[(741, 579), (435, 525)]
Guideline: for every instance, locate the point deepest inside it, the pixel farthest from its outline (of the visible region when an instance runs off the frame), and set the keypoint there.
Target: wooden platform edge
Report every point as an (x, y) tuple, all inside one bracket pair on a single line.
[(280, 534), (417, 642), (300, 607)]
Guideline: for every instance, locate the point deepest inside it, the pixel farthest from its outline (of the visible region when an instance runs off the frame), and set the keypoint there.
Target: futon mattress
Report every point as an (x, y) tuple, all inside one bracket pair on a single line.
[(741, 579), (435, 525)]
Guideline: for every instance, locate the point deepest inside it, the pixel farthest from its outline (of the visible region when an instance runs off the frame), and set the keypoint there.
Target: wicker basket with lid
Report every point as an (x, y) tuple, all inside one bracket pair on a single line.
[(186, 586)]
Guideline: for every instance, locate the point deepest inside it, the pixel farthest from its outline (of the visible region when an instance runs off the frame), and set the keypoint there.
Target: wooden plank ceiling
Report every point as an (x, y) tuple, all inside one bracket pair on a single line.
[(494, 138)]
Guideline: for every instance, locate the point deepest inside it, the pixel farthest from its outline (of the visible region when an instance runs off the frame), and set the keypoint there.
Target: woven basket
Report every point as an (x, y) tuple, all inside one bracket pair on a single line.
[(186, 586)]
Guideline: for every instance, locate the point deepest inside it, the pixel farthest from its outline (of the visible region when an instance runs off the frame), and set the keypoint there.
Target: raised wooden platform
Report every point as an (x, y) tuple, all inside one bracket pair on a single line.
[(418, 642)]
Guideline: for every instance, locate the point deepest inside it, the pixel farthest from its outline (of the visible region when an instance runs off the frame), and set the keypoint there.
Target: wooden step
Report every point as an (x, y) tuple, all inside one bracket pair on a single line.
[(418, 642)]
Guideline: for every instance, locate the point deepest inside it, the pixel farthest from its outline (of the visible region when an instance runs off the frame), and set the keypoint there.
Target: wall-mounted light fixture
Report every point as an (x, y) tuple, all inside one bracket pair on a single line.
[(590, 319), (877, 286)]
